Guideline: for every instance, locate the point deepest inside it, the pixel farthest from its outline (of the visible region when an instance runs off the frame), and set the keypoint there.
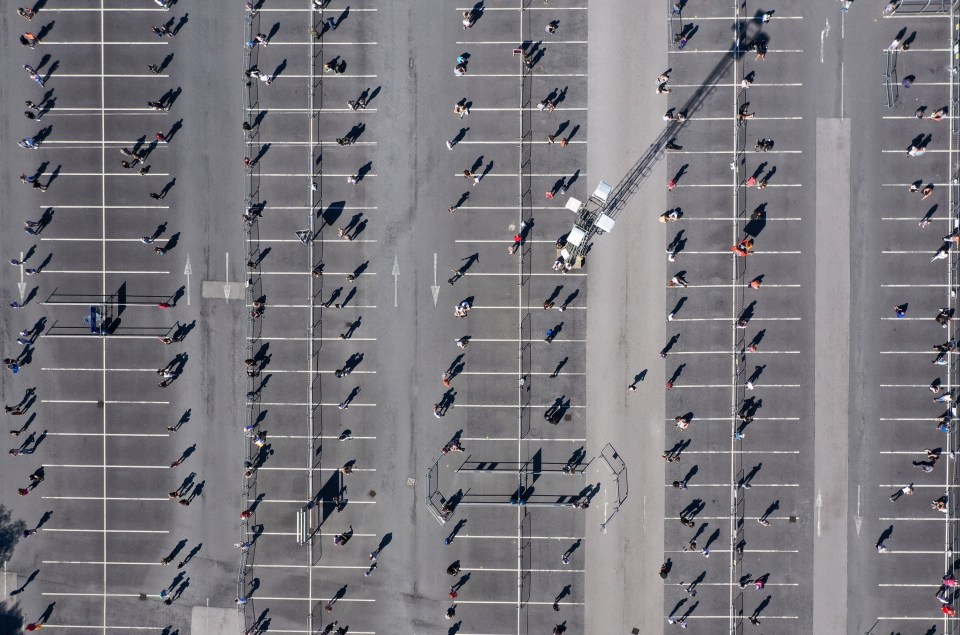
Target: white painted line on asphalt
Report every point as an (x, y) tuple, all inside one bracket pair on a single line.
[(727, 152), (101, 467), (514, 373), (741, 452), (344, 76), (733, 118), (728, 219), (513, 175), (344, 175), (105, 207), (330, 308), (109, 401), (110, 531), (512, 43), (726, 51), (727, 419), (352, 10), (299, 208), (326, 43), (100, 370), (727, 385), (752, 485), (120, 43), (515, 439), (99, 240), (737, 286), (101, 498), (904, 152), (726, 552), (753, 86), (101, 562), (913, 553), (529, 109), (297, 501), (304, 403), (308, 273), (98, 434), (683, 186), (728, 18), (765, 352), (303, 111), (514, 75), (326, 241), (497, 406), (727, 252), (322, 600), (726, 319), (100, 272), (918, 50), (320, 372), (528, 8), (315, 339)]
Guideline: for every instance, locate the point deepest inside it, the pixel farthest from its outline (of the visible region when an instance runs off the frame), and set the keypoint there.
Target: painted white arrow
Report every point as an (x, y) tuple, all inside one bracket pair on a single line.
[(396, 279), (21, 286), (188, 271), (226, 285), (435, 289)]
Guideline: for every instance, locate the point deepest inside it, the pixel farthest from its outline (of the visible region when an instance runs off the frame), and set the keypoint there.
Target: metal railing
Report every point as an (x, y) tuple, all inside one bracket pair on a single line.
[(916, 7), (891, 81)]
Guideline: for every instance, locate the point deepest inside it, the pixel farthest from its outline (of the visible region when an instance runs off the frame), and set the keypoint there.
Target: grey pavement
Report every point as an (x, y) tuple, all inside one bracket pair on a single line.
[(625, 333), (794, 410)]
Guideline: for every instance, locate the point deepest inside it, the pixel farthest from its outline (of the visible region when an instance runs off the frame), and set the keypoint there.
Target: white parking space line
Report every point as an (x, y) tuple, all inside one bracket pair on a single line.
[(108, 531), (108, 401), (109, 434), (101, 498), (727, 51)]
